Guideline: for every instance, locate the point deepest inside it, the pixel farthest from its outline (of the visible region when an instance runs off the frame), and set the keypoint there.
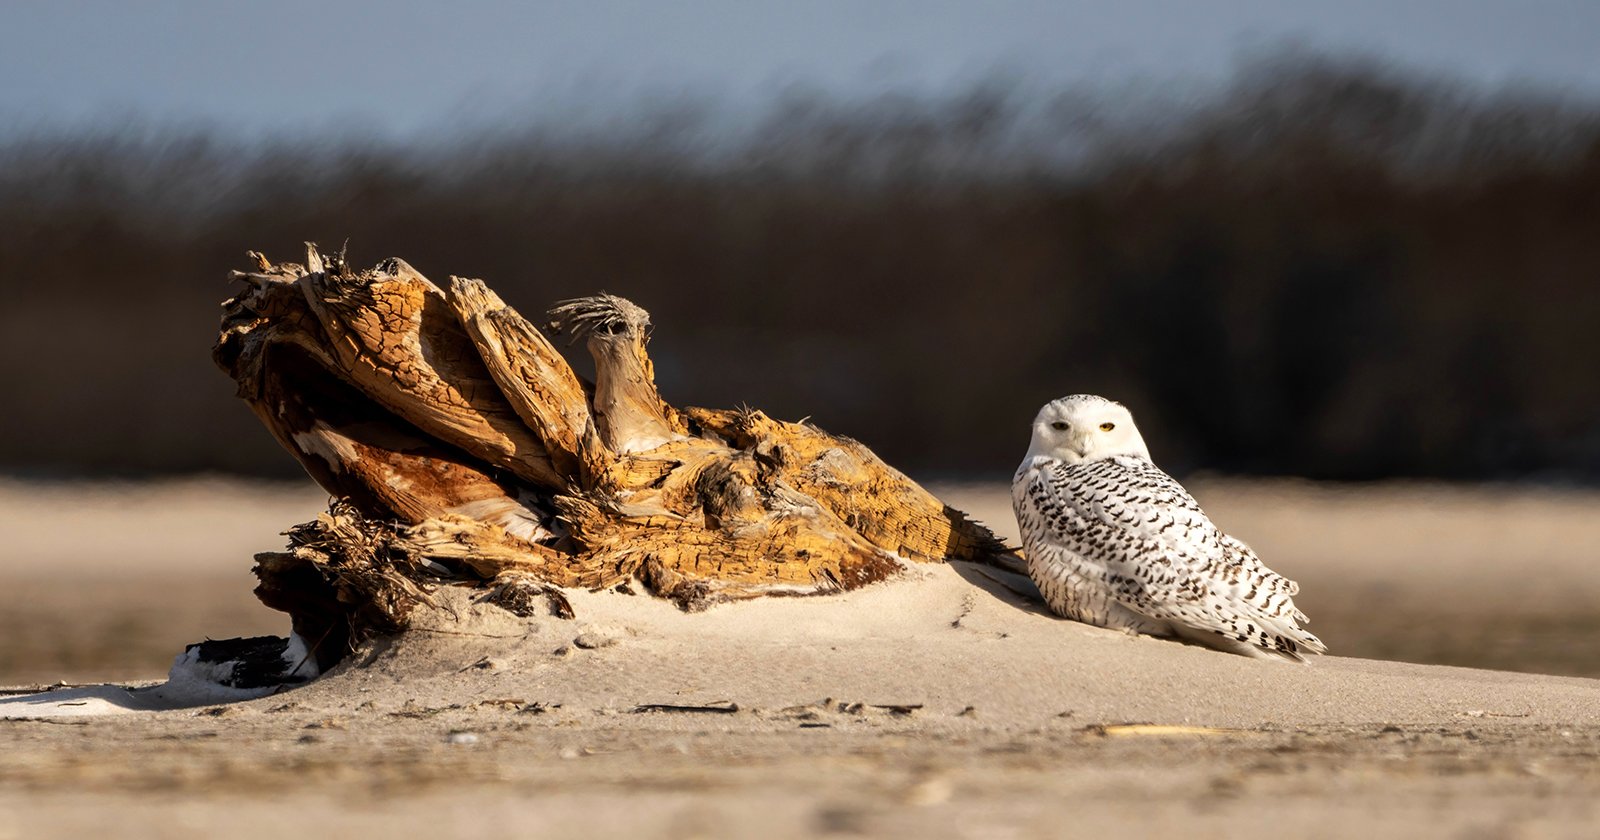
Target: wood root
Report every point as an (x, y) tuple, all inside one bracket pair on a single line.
[(459, 446)]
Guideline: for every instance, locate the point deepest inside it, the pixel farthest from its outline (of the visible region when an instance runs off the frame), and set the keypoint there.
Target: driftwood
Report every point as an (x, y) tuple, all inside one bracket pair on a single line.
[(460, 447)]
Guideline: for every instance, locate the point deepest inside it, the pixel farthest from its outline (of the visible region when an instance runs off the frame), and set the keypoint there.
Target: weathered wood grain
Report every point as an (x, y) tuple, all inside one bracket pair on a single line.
[(460, 447)]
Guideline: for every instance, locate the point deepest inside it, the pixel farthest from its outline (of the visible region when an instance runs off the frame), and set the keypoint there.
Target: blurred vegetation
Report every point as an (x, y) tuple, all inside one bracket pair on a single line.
[(1325, 268)]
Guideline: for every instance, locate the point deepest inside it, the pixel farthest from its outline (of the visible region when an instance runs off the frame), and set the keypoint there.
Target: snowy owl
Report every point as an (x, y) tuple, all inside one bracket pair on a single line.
[(1112, 540)]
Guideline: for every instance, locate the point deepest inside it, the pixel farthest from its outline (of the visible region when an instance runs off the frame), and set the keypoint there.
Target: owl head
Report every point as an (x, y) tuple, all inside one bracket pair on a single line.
[(1084, 427)]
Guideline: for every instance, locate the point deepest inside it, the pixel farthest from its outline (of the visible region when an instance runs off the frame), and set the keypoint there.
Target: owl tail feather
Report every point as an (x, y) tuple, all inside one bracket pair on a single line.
[(1291, 647)]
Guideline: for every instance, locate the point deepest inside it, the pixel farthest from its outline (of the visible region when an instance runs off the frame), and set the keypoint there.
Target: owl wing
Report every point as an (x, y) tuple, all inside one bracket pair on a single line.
[(1163, 557)]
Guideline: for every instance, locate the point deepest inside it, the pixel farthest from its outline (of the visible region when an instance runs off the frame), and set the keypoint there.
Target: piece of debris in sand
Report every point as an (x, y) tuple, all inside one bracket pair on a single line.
[(1155, 730), (594, 641), (719, 707)]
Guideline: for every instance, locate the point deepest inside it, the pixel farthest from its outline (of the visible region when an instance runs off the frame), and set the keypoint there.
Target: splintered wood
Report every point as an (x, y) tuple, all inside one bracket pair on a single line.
[(460, 446)]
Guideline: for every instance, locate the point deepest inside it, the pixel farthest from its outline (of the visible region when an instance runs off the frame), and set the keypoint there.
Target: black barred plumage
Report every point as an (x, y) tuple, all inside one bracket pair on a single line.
[(1113, 540)]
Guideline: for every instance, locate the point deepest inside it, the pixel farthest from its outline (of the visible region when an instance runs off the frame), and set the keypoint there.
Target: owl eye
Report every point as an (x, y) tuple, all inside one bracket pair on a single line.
[(1106, 427), (1059, 426)]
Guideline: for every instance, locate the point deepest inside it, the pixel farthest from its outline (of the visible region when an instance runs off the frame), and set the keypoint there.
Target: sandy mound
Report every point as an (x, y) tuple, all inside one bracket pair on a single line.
[(949, 645), (942, 705), (110, 581)]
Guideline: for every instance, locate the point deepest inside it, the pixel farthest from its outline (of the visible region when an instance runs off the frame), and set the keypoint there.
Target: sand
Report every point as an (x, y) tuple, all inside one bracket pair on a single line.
[(946, 704)]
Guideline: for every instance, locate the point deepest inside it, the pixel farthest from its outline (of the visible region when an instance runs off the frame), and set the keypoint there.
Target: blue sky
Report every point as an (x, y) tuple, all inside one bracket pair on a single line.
[(403, 67)]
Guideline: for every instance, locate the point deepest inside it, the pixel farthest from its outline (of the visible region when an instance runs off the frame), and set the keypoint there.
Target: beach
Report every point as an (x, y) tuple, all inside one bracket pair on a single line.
[(946, 703)]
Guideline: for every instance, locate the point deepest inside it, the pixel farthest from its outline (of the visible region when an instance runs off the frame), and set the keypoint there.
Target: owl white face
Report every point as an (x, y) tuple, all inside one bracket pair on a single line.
[(1084, 427)]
